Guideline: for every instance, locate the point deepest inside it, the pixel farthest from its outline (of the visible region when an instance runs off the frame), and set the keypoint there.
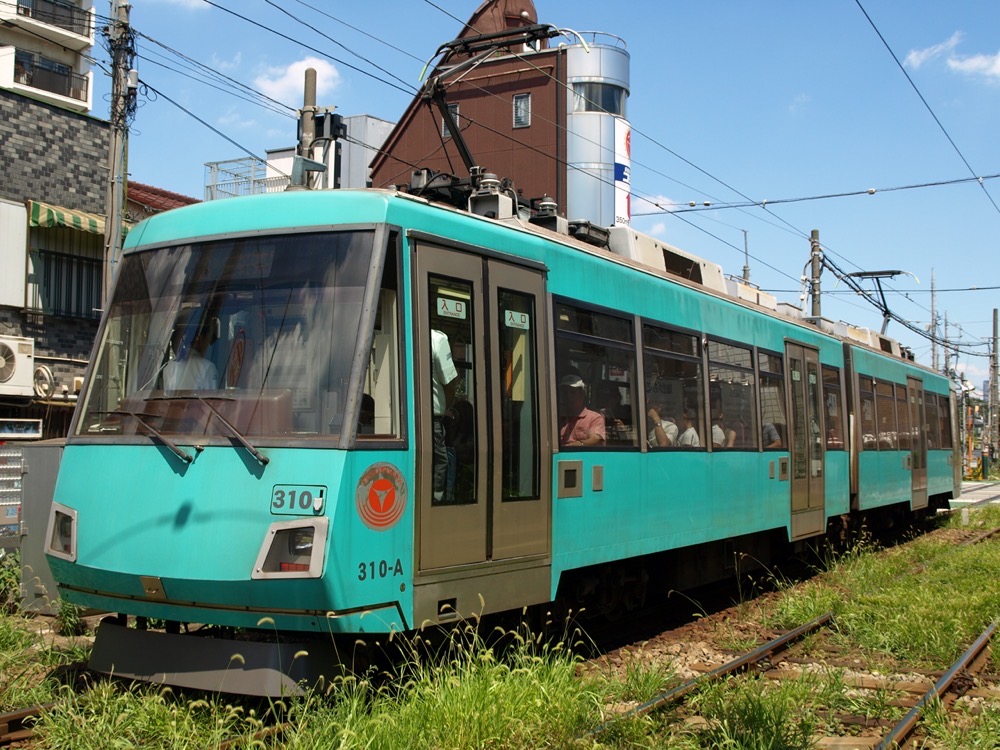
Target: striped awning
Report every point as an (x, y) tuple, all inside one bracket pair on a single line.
[(46, 215)]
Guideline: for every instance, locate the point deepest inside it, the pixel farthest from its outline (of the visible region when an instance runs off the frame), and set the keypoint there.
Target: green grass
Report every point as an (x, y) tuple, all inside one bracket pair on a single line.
[(918, 604)]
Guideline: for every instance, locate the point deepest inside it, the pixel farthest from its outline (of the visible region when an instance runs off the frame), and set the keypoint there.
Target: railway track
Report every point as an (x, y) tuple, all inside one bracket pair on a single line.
[(878, 733), (16, 726)]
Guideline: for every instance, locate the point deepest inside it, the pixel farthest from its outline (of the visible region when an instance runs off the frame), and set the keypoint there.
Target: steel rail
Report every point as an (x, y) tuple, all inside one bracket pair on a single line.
[(902, 730), (12, 727), (748, 659)]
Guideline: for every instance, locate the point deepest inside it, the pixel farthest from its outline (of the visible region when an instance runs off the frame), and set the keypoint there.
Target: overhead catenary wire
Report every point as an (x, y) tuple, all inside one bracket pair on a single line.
[(765, 205), (928, 107)]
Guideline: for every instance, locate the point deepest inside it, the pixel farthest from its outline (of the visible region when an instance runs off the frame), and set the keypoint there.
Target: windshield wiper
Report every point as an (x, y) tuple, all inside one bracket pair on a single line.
[(183, 455), (261, 458)]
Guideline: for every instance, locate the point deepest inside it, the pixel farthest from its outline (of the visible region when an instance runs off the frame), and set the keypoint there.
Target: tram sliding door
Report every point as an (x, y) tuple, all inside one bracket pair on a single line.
[(806, 444), (483, 420), (918, 433)]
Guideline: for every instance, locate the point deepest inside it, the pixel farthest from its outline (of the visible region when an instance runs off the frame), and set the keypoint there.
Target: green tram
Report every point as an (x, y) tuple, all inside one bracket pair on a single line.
[(268, 440)]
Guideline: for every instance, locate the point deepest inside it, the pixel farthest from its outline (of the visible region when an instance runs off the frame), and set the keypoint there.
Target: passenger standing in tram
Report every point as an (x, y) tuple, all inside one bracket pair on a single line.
[(578, 425), (444, 381), (770, 435)]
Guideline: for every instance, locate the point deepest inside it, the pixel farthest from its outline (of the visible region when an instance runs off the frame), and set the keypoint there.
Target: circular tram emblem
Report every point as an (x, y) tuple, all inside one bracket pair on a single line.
[(381, 496)]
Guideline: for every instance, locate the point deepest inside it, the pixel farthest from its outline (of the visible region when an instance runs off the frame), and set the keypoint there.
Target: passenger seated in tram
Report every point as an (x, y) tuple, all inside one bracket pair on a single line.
[(617, 418), (662, 430), (722, 436), (689, 434), (578, 425), (189, 369)]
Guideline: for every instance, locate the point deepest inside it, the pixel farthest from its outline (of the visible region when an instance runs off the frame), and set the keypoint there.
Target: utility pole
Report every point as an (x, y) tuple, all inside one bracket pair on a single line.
[(124, 82), (746, 258), (934, 326), (303, 163), (947, 351), (994, 395), (816, 256)]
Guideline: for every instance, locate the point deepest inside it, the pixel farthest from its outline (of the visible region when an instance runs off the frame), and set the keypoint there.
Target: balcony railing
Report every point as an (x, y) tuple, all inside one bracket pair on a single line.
[(63, 15), (40, 75)]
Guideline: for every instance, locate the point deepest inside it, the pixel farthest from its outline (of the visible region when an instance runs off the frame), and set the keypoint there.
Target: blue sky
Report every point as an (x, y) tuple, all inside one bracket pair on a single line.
[(731, 102)]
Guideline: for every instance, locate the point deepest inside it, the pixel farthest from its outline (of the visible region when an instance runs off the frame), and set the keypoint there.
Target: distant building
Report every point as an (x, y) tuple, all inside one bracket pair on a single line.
[(52, 203), (250, 175), (43, 48), (550, 118), (143, 201)]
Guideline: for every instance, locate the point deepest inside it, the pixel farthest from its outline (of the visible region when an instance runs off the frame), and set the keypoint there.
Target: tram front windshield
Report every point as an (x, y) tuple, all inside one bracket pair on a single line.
[(256, 335)]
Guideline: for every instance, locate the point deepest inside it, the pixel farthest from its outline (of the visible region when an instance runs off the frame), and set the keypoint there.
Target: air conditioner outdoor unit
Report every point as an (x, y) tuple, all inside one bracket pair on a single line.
[(17, 366)]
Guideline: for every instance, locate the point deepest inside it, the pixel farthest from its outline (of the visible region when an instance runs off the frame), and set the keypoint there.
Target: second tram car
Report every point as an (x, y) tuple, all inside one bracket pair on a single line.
[(356, 412)]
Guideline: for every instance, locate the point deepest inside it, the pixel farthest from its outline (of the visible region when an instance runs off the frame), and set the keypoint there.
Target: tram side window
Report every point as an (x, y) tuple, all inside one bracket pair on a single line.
[(933, 421), (903, 415), (944, 419), (674, 389), (834, 409), (866, 398), (885, 408), (732, 396), (379, 409), (774, 424), (595, 369)]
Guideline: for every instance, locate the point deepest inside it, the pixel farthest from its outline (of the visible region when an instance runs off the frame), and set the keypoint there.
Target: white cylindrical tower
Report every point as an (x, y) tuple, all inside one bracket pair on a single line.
[(598, 137)]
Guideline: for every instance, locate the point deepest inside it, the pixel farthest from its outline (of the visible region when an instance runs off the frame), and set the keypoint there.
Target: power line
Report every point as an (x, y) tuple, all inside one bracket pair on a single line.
[(928, 106), (215, 130)]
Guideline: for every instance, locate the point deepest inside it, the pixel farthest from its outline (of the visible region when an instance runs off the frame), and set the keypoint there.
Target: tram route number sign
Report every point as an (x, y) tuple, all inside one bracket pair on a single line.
[(298, 499)]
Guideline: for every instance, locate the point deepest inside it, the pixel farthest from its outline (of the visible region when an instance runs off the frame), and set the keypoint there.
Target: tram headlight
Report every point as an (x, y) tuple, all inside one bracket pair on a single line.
[(300, 541), (61, 536), (293, 549)]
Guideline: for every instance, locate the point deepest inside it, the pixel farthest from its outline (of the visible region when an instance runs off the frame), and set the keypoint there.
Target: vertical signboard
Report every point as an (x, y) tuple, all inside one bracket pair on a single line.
[(623, 169)]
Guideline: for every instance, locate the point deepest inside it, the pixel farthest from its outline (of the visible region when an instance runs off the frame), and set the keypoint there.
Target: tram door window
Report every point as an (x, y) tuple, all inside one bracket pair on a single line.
[(598, 349), (866, 399), (519, 425), (806, 445), (905, 441), (833, 404), (674, 384), (732, 396), (772, 401), (453, 391), (914, 406)]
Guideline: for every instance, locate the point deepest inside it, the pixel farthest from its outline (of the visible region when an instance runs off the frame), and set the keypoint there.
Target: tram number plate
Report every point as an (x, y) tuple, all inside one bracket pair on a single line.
[(298, 499)]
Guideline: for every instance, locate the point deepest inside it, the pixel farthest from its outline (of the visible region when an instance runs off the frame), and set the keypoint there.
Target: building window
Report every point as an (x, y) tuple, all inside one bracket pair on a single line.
[(599, 97), (64, 272), (445, 130), (522, 110)]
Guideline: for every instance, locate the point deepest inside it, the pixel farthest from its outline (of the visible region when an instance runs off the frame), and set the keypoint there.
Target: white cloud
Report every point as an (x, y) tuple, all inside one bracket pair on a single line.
[(987, 66), (233, 118), (917, 57), (286, 84), (227, 65), (799, 102), (190, 4)]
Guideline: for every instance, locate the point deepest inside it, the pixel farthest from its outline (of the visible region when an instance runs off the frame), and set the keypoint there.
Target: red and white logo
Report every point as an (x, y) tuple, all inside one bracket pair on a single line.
[(381, 496)]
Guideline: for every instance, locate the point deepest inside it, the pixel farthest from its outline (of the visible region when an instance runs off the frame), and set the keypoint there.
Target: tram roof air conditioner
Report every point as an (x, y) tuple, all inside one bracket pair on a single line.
[(17, 366)]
